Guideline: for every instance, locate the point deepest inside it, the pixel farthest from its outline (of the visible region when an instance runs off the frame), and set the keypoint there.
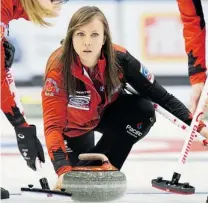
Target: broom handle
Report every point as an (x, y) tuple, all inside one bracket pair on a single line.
[(192, 131), (176, 121)]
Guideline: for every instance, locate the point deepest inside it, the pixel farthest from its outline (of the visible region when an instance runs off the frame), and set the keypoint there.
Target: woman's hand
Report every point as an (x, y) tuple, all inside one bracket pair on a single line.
[(204, 132), (59, 183), (196, 91)]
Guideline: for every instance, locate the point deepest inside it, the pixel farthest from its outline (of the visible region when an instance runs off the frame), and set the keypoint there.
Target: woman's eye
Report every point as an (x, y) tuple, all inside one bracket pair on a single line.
[(80, 34), (95, 34)]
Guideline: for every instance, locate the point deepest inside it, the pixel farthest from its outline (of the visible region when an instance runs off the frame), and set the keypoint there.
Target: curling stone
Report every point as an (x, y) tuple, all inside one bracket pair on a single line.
[(95, 183)]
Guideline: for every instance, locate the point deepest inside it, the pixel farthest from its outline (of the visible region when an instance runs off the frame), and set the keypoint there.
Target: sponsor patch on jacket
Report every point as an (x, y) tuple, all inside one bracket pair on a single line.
[(146, 73), (50, 87), (79, 102)]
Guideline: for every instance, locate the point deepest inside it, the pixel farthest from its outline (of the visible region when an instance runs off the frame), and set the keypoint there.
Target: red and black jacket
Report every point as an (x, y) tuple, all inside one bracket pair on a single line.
[(76, 115)]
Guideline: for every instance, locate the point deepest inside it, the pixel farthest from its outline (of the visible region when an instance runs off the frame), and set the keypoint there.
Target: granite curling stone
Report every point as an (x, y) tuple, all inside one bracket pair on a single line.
[(95, 183)]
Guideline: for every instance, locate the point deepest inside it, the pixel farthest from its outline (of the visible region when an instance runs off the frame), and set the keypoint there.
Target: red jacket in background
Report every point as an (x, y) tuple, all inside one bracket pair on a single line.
[(194, 32), (10, 9)]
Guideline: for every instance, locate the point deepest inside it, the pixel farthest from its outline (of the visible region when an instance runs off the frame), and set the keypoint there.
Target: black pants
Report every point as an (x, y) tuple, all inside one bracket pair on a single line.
[(123, 123)]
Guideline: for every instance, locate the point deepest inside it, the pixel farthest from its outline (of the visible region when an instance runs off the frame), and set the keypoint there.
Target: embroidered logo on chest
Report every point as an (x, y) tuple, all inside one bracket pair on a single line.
[(80, 101)]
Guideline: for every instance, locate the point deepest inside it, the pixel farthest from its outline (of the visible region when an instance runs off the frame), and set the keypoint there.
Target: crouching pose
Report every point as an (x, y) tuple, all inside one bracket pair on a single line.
[(84, 92)]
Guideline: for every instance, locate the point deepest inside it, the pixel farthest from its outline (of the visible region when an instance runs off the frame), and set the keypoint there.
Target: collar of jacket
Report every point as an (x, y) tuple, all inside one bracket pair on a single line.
[(79, 71)]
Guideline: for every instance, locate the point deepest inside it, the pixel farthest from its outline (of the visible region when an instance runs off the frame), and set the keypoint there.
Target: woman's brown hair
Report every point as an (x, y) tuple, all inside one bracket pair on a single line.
[(81, 17)]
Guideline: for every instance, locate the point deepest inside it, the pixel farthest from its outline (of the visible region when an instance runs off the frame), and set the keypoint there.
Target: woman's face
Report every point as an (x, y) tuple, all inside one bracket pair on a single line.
[(53, 5), (88, 41)]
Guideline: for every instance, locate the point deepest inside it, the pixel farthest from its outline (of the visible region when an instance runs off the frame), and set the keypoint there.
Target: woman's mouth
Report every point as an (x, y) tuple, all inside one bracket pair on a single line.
[(87, 51)]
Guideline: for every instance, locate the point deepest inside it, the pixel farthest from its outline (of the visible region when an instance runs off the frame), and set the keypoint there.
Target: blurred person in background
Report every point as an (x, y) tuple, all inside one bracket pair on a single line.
[(84, 91), (194, 33), (35, 11)]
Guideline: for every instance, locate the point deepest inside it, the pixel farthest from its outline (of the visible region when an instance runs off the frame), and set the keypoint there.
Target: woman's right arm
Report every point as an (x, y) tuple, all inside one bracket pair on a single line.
[(54, 103)]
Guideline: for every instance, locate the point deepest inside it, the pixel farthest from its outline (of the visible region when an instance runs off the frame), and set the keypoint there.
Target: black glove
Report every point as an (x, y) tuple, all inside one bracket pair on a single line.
[(29, 145), (9, 54)]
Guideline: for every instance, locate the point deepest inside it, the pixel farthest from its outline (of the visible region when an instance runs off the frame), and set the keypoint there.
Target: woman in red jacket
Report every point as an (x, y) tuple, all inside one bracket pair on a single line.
[(84, 92), (35, 11), (194, 32)]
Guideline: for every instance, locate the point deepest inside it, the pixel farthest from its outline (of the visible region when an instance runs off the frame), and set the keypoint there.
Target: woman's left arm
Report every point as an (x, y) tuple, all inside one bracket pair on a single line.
[(144, 82)]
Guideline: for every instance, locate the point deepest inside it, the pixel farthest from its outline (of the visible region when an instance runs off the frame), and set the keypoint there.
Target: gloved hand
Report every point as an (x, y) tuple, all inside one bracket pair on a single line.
[(29, 145), (9, 54)]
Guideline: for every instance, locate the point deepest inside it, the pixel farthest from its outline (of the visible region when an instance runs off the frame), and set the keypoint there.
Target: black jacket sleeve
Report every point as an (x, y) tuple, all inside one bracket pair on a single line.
[(138, 76)]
